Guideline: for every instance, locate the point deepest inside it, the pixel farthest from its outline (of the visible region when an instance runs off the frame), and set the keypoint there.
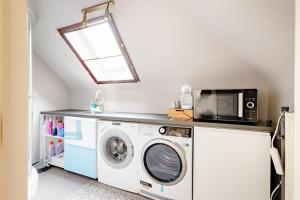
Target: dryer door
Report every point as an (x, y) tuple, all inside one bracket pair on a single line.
[(164, 162), (116, 148)]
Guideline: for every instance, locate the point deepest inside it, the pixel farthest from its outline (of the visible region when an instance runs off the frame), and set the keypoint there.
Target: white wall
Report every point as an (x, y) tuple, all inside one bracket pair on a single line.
[(223, 44), (261, 33), (49, 93), (169, 50)]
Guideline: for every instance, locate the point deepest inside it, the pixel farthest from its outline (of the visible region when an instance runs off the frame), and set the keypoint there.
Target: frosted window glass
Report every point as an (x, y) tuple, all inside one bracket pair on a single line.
[(110, 69), (94, 42), (100, 50)]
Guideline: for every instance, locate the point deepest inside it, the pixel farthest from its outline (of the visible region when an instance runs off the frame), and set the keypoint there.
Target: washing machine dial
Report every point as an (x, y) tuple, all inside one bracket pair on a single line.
[(162, 130), (250, 105)]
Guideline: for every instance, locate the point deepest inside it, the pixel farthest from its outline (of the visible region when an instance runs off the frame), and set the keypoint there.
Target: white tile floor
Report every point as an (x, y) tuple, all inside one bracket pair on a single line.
[(57, 184)]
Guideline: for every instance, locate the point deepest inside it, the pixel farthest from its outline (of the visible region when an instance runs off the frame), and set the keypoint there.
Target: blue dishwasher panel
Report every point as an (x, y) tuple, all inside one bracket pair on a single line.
[(80, 160)]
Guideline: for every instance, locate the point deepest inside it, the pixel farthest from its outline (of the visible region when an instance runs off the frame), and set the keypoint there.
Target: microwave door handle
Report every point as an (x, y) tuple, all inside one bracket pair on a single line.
[(241, 105)]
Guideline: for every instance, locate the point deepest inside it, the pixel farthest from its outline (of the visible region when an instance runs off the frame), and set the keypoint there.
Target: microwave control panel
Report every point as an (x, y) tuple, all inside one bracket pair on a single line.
[(250, 105)]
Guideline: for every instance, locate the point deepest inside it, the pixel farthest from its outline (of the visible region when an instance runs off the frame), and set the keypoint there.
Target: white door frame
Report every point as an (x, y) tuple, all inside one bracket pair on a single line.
[(297, 106), (15, 110), (1, 94)]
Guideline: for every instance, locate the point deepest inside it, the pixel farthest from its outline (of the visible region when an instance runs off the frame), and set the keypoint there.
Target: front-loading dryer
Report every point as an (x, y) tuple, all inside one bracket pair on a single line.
[(165, 167), (117, 156)]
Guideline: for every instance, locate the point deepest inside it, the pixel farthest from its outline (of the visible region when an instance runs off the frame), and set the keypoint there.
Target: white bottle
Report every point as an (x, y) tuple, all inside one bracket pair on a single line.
[(186, 97), (51, 151), (59, 147), (99, 99)]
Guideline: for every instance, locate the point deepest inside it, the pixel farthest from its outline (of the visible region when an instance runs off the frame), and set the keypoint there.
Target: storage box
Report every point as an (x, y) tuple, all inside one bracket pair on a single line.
[(180, 114)]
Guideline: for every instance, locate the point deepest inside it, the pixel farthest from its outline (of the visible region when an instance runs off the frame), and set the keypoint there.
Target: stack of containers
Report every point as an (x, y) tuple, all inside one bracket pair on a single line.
[(60, 129), (56, 126)]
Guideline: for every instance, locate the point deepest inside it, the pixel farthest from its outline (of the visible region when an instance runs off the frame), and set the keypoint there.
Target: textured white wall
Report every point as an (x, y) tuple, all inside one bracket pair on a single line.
[(49, 93), (209, 44), (261, 33), (169, 50)]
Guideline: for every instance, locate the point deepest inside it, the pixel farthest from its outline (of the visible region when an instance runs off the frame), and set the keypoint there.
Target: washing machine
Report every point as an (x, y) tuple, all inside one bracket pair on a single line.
[(165, 166), (117, 160)]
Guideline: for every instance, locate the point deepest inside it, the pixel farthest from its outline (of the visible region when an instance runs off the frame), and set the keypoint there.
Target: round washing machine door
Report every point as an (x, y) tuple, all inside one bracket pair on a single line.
[(164, 162), (116, 148)]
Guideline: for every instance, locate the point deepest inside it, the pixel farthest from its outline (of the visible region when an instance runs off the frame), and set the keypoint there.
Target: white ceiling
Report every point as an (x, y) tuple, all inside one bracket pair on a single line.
[(259, 34)]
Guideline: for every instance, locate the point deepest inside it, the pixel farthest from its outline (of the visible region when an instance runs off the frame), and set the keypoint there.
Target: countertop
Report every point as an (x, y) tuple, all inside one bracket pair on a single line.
[(155, 119)]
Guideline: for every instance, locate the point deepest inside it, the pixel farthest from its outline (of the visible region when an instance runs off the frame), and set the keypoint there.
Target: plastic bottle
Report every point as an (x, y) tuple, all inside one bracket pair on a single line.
[(51, 151), (98, 104), (54, 126), (50, 124), (60, 129), (59, 147)]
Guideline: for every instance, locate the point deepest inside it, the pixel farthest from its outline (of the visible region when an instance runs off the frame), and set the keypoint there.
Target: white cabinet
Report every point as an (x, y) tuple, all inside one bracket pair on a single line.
[(231, 164), (80, 146)]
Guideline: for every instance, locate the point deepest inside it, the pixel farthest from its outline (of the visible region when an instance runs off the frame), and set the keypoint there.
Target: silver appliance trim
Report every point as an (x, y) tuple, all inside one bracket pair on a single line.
[(149, 194), (241, 105), (178, 150)]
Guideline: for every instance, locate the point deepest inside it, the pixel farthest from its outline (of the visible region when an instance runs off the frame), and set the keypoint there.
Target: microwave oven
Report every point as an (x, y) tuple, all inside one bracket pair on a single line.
[(235, 105)]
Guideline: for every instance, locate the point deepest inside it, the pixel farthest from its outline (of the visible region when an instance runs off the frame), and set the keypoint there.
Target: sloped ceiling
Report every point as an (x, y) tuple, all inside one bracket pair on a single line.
[(243, 43), (259, 32)]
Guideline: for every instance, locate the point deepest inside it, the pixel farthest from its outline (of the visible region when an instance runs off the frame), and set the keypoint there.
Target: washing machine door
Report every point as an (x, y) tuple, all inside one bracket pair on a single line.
[(116, 148), (164, 162)]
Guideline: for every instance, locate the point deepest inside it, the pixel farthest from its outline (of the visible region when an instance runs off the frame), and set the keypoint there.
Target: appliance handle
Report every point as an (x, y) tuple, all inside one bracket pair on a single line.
[(132, 150), (241, 104), (116, 123)]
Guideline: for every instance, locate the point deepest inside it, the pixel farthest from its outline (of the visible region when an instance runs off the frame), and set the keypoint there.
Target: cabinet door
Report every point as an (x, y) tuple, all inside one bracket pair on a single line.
[(81, 132), (80, 146), (231, 164)]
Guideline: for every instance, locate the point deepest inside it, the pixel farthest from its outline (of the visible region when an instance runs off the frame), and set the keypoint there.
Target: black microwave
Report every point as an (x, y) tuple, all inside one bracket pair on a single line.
[(238, 105)]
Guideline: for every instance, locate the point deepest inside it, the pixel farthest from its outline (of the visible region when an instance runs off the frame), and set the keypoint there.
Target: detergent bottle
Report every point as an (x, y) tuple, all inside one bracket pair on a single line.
[(51, 151), (59, 147), (50, 124)]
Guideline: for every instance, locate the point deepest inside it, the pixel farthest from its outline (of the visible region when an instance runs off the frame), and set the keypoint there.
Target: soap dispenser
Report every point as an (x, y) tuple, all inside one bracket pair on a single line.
[(98, 104)]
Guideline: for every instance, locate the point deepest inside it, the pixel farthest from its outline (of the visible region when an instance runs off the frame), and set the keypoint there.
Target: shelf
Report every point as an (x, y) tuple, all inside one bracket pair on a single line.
[(57, 161), (54, 136)]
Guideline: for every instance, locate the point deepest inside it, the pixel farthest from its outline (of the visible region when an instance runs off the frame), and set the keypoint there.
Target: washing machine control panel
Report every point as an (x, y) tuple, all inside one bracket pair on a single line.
[(175, 131), (162, 130)]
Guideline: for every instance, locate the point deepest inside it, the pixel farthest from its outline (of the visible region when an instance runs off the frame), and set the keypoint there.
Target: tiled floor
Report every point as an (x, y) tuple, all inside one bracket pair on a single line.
[(57, 184), (95, 190)]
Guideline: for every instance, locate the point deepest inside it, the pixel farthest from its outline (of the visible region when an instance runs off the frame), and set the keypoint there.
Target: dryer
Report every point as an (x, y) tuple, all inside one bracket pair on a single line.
[(117, 157), (165, 166)]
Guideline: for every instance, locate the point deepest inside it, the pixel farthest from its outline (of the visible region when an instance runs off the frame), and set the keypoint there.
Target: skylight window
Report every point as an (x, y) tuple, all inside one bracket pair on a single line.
[(100, 50)]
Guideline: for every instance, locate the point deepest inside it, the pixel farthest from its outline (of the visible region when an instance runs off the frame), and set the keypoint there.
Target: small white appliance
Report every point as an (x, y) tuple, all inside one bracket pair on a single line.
[(165, 165), (117, 155), (186, 97)]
